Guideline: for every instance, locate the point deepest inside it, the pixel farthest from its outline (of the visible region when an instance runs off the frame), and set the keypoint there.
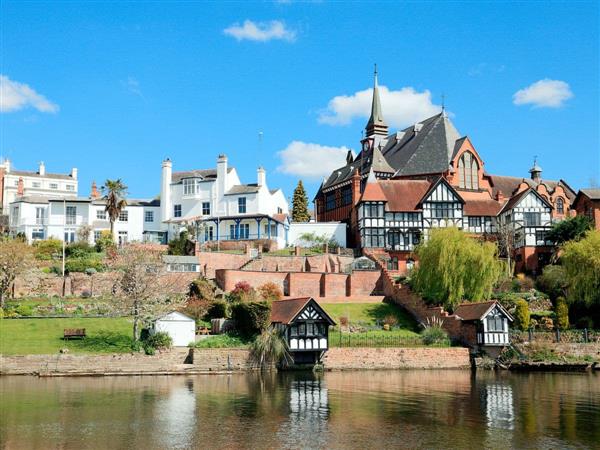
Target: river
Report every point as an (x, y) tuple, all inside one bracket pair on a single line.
[(377, 409)]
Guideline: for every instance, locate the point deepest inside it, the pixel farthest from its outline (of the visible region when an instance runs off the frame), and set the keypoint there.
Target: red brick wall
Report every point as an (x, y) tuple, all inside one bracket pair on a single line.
[(397, 358), (584, 205), (366, 283), (227, 279), (306, 284), (334, 285), (210, 261)]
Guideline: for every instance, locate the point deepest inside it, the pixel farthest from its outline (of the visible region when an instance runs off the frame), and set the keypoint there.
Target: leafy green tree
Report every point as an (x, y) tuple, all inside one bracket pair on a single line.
[(553, 281), (114, 195), (300, 204), (178, 246), (454, 266), (581, 260), (569, 229)]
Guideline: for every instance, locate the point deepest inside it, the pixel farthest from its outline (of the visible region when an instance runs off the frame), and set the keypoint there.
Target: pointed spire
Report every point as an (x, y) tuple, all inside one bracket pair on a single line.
[(376, 124)]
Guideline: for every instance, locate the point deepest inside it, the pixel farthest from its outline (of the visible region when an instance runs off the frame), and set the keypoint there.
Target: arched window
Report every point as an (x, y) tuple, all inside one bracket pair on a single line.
[(467, 171), (560, 205)]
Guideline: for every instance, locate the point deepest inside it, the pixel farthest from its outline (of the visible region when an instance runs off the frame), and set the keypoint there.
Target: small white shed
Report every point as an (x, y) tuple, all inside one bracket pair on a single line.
[(180, 327)]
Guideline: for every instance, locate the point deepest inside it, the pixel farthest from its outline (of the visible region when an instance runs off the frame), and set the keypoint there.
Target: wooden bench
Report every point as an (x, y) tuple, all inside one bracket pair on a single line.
[(70, 333), (204, 331)]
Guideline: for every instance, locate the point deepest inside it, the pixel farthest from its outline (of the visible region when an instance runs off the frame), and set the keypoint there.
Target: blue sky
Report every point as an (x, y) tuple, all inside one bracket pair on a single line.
[(114, 87)]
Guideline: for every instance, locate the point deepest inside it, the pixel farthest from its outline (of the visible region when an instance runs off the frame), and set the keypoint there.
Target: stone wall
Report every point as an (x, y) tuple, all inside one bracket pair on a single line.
[(173, 361), (397, 358)]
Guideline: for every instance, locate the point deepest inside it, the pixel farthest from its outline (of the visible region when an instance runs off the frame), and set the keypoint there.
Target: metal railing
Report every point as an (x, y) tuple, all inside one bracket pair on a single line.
[(573, 336), (380, 339)]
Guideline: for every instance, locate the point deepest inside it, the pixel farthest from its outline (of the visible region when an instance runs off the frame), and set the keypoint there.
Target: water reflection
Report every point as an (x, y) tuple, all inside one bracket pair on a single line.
[(408, 409)]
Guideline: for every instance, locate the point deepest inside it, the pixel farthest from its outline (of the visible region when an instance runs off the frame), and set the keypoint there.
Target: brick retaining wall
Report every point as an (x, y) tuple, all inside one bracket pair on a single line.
[(397, 358)]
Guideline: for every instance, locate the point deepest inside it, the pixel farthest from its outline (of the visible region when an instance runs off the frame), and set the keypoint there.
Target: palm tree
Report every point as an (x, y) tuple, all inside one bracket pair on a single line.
[(114, 194)]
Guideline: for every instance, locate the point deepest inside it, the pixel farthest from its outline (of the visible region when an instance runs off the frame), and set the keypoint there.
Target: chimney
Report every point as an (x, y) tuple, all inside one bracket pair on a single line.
[(500, 196), (261, 176), (42, 169), (20, 188), (74, 173), (222, 186), (165, 190), (6, 165), (95, 194)]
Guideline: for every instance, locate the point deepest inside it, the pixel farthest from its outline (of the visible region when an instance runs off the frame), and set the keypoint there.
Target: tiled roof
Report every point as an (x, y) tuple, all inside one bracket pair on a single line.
[(473, 311), (284, 311), (243, 189), (403, 195), (57, 176), (373, 192), (482, 207), (508, 185), (593, 194)]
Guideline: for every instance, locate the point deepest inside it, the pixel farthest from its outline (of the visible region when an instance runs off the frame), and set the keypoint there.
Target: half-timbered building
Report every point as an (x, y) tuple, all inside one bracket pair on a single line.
[(305, 327), (403, 184), (490, 322)]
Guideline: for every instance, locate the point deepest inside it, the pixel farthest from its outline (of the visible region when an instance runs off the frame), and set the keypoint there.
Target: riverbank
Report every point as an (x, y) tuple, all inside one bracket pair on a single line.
[(183, 361)]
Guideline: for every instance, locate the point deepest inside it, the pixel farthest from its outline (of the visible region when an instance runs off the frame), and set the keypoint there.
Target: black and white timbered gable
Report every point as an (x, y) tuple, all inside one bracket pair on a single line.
[(530, 215), (442, 206)]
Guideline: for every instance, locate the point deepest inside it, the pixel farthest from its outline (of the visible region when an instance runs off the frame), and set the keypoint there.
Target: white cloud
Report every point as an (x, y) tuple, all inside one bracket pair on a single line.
[(133, 86), (15, 96), (545, 93), (309, 160), (261, 31), (400, 108)]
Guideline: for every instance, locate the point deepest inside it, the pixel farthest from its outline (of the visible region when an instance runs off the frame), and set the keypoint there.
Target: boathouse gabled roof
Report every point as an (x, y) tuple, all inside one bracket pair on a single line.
[(478, 311), (287, 310)]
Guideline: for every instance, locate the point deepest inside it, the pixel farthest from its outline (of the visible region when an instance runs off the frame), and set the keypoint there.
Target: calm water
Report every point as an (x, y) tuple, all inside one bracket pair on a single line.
[(391, 409)]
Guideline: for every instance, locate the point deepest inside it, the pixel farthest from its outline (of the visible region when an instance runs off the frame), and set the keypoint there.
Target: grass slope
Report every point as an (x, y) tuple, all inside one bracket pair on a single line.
[(44, 336), (370, 313)]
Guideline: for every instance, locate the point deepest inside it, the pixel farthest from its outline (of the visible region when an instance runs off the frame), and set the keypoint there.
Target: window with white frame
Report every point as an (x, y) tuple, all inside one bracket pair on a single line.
[(71, 215), (39, 215), (124, 216), (206, 208), (208, 233), (70, 187), (176, 210), (273, 228), (36, 184), (532, 219), (474, 222), (14, 215), (182, 267), (242, 205), (53, 186), (191, 186), (442, 210), (97, 235), (148, 216), (101, 214)]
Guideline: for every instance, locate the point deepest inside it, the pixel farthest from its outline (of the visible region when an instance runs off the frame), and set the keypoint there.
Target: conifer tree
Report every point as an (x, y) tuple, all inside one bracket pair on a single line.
[(300, 204)]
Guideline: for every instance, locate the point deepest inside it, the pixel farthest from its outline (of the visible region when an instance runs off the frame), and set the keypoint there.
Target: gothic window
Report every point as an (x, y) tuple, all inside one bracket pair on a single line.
[(467, 171), (560, 205)]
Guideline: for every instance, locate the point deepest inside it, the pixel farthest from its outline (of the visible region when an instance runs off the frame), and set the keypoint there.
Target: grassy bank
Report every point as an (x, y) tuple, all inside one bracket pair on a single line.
[(371, 314), (44, 336)]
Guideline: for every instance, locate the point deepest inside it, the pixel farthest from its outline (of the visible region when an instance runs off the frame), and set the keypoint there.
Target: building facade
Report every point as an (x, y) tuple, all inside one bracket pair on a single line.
[(19, 183), (403, 184), (587, 203)]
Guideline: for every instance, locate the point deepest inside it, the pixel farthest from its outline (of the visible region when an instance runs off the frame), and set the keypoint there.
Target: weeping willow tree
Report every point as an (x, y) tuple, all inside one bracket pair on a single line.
[(455, 267), (581, 260)]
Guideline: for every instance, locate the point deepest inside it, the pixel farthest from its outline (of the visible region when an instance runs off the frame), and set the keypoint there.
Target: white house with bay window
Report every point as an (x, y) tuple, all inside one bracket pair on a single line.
[(219, 207)]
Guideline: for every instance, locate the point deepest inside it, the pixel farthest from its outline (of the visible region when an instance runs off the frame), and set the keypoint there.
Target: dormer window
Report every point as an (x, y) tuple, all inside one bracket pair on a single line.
[(467, 171), (191, 186)]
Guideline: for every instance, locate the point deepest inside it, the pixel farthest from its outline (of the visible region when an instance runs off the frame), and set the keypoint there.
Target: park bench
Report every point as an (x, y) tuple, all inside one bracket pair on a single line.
[(70, 333), (204, 331)]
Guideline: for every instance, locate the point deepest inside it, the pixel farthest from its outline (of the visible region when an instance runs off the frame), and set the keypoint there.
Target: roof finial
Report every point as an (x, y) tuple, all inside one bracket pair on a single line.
[(375, 71)]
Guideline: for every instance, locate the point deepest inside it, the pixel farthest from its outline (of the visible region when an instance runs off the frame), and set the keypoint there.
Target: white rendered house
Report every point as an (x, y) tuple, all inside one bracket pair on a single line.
[(17, 183), (220, 207)]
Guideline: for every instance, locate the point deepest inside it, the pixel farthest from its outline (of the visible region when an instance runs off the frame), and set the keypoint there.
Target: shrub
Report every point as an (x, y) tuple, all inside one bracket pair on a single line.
[(83, 264), (270, 292), (160, 340), (553, 281), (178, 246), (270, 347), (46, 249), (562, 313), (434, 334), (217, 310), (105, 241), (202, 289), (585, 322), (197, 307), (344, 321), (547, 323), (251, 318), (24, 310), (242, 292), (79, 250), (521, 315)]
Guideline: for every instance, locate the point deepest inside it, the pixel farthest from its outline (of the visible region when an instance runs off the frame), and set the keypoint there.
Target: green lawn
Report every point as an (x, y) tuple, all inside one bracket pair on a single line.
[(44, 336), (369, 314)]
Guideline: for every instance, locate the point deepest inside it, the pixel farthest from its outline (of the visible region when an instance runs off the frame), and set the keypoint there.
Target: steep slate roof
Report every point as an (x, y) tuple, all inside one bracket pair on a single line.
[(57, 176), (403, 195), (407, 152), (476, 311), (285, 311), (196, 173), (508, 185)]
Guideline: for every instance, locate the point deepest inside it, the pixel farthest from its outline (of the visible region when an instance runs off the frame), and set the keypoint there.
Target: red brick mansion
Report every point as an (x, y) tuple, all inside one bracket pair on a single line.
[(401, 185)]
